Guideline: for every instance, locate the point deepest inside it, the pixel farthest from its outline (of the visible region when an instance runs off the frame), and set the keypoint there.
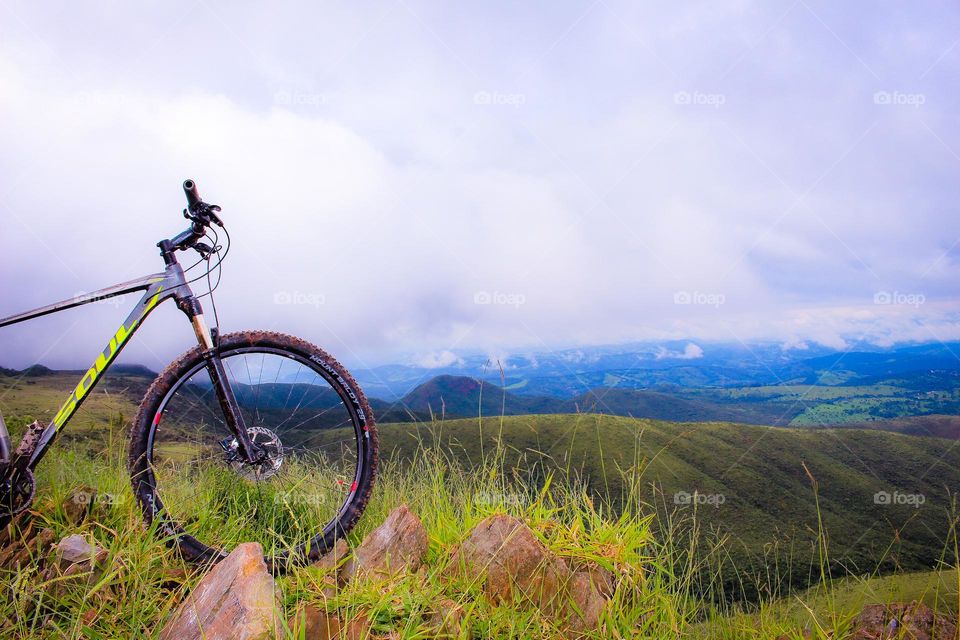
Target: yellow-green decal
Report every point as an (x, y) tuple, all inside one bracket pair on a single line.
[(103, 360)]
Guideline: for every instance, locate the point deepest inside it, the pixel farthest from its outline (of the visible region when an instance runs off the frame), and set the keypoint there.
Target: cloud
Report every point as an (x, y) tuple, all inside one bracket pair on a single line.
[(438, 360), (729, 155), (690, 352)]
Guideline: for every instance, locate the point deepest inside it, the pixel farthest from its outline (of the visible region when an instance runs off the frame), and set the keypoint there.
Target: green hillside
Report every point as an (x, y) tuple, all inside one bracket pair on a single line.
[(752, 482)]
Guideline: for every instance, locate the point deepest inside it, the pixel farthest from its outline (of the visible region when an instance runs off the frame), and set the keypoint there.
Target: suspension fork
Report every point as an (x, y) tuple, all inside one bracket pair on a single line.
[(249, 450)]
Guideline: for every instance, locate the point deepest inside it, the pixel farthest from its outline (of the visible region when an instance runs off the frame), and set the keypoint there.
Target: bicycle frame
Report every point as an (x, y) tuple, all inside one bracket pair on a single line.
[(157, 288)]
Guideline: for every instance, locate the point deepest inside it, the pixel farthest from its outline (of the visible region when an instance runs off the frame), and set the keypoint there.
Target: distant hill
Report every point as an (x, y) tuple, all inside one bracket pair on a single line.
[(844, 396), (461, 396), (36, 371), (133, 370)]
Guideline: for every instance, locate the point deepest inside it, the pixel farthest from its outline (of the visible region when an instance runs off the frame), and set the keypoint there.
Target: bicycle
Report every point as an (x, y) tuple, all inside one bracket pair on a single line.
[(215, 458)]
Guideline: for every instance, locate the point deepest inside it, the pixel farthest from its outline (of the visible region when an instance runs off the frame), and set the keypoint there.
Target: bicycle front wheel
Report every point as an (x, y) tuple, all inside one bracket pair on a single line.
[(301, 406)]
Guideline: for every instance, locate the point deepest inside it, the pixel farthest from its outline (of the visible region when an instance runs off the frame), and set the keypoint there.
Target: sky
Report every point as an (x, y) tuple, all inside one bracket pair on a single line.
[(404, 181)]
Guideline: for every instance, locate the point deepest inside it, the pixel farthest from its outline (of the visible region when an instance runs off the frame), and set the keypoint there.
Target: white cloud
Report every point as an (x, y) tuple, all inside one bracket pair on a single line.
[(690, 352), (438, 360)]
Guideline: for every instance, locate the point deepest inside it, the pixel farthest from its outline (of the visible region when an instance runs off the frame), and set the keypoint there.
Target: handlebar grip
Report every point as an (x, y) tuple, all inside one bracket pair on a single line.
[(193, 196)]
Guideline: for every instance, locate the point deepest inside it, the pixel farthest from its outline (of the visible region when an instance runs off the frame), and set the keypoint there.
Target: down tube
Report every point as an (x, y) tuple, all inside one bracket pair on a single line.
[(154, 296)]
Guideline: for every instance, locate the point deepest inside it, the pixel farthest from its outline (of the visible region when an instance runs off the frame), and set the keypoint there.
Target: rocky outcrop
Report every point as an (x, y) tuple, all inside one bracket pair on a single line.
[(511, 563), (914, 621), (399, 544), (237, 599)]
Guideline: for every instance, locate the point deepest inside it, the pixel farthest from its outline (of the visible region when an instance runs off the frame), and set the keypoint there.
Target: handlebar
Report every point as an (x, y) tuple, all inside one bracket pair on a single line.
[(193, 196), (201, 216)]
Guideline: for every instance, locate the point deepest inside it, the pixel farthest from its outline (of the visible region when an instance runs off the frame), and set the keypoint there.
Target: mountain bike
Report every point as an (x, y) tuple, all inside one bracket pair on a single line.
[(249, 436)]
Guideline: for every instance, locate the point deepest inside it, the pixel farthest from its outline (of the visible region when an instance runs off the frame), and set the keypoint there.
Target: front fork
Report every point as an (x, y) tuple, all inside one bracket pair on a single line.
[(249, 450)]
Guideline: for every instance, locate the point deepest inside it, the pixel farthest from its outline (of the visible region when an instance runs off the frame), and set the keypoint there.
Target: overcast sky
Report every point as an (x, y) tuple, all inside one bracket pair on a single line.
[(402, 179)]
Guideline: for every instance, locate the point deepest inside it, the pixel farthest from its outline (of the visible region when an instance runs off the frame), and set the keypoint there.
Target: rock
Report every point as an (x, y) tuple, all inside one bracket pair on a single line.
[(447, 619), (313, 623), (602, 578), (317, 624), (331, 564), (511, 563), (75, 558), (35, 548), (78, 504), (17, 536), (399, 544), (914, 621), (237, 599), (333, 559)]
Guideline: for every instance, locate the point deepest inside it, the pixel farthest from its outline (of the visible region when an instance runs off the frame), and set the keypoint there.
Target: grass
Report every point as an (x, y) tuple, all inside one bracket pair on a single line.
[(593, 488), (670, 568)]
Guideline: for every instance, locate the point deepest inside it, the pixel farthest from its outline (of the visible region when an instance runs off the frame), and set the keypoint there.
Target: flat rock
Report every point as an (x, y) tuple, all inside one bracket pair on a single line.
[(76, 558), (914, 621), (237, 599), (399, 544)]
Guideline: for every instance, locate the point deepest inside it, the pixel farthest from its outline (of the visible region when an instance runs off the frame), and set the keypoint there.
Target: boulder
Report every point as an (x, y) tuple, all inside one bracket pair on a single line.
[(399, 544), (237, 599), (511, 563), (914, 621)]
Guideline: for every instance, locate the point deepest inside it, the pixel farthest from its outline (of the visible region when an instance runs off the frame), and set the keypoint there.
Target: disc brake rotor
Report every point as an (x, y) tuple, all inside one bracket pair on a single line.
[(268, 466)]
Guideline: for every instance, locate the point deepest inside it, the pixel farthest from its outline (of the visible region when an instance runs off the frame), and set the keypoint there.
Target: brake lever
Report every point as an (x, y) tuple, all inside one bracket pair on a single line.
[(206, 250), (204, 213)]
